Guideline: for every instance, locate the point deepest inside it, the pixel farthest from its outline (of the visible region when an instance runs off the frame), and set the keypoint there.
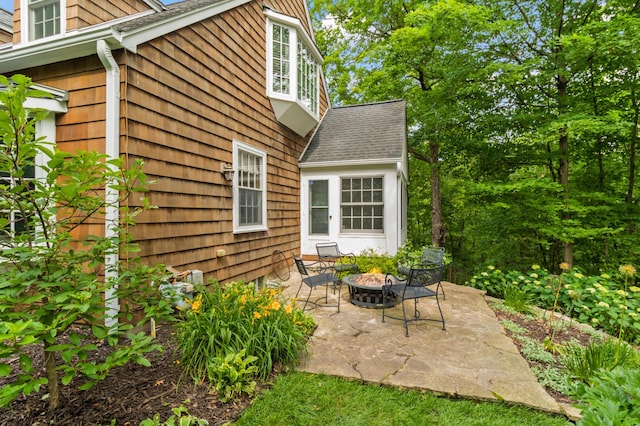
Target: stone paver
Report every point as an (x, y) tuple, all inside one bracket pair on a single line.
[(472, 358)]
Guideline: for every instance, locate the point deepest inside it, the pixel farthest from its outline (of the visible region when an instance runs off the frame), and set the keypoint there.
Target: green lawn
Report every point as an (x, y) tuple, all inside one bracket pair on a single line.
[(306, 399)]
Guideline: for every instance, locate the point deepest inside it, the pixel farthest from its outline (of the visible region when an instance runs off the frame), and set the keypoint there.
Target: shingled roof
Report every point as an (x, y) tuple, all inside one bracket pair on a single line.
[(368, 133)]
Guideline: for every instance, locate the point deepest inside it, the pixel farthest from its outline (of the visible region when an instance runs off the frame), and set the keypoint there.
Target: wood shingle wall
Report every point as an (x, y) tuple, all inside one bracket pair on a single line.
[(184, 109)]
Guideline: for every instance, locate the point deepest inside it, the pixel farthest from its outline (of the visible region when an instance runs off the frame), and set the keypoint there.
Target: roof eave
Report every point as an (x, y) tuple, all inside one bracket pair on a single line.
[(349, 163), (130, 40)]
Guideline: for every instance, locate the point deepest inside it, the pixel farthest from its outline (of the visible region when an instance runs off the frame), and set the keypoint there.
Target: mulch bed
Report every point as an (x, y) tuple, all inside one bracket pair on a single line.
[(129, 395), (133, 393), (539, 329)]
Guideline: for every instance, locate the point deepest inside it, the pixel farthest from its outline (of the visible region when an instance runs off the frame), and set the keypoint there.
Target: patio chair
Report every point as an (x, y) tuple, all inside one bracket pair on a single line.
[(413, 288), (430, 256), (324, 278), (342, 263)]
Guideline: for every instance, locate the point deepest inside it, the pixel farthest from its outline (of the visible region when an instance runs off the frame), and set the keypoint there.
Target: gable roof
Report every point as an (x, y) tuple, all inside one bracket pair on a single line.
[(127, 32), (359, 134)]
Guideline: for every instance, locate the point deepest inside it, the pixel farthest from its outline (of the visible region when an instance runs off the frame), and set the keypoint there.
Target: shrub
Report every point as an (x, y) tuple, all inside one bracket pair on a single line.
[(371, 260), (607, 303), (611, 398), (584, 362), (239, 319), (54, 287)]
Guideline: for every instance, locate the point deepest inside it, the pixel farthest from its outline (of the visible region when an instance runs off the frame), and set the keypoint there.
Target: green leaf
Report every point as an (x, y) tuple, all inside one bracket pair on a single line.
[(75, 339), (25, 363), (67, 378), (5, 370), (99, 331), (143, 361)]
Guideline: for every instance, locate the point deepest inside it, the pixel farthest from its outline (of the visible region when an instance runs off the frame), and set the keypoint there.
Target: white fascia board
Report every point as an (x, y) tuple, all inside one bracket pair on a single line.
[(130, 40), (74, 44), (53, 105), (377, 162)]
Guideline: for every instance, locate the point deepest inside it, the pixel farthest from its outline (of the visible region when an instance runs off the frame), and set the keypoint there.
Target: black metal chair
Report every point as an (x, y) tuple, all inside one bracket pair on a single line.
[(430, 256), (323, 278), (342, 263), (413, 288)]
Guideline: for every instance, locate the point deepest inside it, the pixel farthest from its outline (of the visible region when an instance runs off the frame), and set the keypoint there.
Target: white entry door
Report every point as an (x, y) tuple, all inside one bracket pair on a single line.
[(319, 207)]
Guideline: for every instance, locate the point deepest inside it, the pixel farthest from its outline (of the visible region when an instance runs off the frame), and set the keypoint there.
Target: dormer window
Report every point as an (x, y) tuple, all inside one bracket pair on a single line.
[(45, 18), (293, 67)]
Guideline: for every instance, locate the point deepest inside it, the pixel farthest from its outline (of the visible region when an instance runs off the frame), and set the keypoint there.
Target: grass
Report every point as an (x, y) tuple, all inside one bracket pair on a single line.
[(306, 399)]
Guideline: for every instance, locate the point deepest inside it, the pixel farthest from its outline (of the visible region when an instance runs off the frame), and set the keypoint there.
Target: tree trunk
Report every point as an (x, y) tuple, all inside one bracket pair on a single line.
[(52, 376), (563, 145), (437, 228), (632, 157)]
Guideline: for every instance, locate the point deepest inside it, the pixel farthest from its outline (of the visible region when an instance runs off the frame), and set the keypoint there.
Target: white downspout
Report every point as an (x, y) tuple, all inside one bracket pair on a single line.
[(112, 150)]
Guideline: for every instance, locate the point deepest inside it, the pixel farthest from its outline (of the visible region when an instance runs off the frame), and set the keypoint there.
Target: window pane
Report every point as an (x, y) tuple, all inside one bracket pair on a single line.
[(319, 192), (362, 204), (319, 221)]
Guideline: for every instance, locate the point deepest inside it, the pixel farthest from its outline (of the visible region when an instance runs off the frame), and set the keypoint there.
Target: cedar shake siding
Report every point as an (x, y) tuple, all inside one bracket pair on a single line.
[(84, 13), (185, 96), (184, 111)]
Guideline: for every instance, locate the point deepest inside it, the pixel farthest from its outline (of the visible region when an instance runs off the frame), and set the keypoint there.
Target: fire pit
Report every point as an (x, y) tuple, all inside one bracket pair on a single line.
[(366, 290)]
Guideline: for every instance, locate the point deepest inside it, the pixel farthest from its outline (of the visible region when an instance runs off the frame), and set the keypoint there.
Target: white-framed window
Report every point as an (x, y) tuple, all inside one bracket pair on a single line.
[(17, 219), (293, 63), (249, 188), (44, 18), (362, 204)]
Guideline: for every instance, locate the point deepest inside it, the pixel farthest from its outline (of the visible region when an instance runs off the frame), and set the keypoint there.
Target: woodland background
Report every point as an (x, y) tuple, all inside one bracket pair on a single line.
[(522, 117)]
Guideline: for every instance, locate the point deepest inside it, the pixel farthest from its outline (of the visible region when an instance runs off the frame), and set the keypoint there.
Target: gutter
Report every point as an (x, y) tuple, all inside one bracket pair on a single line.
[(112, 150)]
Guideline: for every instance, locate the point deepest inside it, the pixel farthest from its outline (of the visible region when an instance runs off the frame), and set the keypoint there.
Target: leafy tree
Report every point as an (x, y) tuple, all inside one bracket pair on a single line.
[(53, 281), (503, 97), (429, 53)]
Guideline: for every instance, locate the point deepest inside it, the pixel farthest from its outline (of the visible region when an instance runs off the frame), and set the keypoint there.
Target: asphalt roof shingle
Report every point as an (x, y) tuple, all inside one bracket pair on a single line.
[(359, 133)]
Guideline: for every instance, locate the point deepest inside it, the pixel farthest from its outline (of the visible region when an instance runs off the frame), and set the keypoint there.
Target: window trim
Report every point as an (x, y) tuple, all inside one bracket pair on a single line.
[(27, 24), (297, 33), (237, 227), (382, 204)]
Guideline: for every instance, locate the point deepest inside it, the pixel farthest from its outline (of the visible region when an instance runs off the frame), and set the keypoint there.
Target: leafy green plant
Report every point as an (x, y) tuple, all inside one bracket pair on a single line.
[(517, 298), (233, 375), (554, 378), (180, 417), (584, 362), (371, 260), (607, 302), (53, 284), (513, 327), (238, 318), (611, 398), (534, 350)]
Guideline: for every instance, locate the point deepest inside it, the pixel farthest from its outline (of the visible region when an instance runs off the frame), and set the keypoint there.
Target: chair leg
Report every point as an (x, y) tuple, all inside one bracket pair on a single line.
[(406, 324), (444, 296), (440, 310), (308, 297), (298, 292)]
